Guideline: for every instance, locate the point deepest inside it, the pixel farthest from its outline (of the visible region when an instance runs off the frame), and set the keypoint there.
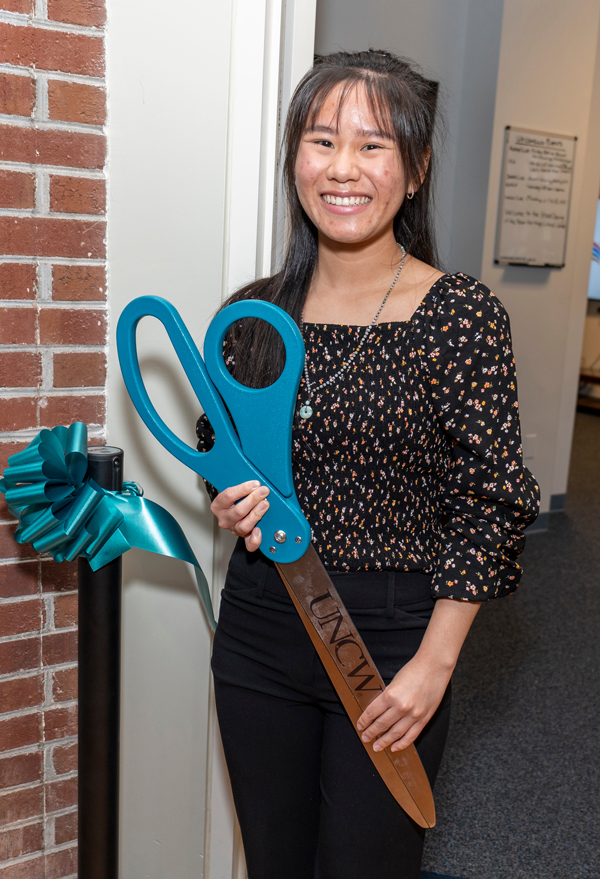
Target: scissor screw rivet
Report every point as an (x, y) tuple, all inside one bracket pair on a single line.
[(298, 540), (272, 549), (280, 536)]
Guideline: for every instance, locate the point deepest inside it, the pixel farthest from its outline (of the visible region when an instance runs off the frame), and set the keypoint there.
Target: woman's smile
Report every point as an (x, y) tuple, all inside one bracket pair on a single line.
[(345, 202)]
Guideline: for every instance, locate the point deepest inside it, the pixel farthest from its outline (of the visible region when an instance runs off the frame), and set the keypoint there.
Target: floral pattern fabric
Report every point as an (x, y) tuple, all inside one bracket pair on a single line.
[(413, 460)]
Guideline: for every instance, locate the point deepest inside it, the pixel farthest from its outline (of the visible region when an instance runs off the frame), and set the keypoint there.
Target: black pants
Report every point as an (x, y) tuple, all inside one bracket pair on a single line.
[(309, 802)]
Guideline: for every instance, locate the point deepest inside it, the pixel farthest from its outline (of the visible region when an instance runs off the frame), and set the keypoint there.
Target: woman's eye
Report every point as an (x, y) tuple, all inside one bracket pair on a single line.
[(326, 143), (372, 146)]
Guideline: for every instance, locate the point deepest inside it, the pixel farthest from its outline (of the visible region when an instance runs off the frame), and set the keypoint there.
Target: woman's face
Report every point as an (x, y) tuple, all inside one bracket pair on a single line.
[(349, 174)]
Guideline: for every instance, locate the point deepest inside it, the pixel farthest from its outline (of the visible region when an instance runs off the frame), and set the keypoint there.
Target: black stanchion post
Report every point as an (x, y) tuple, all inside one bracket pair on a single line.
[(99, 694)]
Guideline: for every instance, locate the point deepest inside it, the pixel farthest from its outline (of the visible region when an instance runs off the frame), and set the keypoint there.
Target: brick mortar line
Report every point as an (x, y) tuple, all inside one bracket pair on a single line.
[(26, 435), (40, 107), (38, 819), (51, 125), (15, 788), (23, 675), (35, 394), (36, 72), (14, 560), (36, 633), (95, 431), (54, 349), (9, 715), (56, 305), (32, 672), (54, 170), (26, 20), (52, 392), (49, 391), (47, 850), (40, 214), (48, 214), (40, 631), (50, 260), (15, 599), (21, 561), (39, 746), (24, 822), (43, 710), (42, 196), (16, 70)]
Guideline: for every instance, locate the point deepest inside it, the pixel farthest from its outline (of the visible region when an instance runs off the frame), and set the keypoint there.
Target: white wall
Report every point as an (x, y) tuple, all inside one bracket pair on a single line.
[(548, 79), (193, 130), (168, 118), (457, 43)]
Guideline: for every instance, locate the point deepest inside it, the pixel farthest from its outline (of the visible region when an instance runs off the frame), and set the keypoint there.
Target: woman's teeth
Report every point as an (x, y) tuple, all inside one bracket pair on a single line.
[(346, 202)]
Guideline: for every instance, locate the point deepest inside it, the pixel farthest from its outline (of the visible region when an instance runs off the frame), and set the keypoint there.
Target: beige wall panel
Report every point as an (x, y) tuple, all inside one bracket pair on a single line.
[(546, 81)]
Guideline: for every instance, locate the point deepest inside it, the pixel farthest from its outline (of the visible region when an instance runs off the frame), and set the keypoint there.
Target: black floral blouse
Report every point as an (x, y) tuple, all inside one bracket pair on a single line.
[(413, 460)]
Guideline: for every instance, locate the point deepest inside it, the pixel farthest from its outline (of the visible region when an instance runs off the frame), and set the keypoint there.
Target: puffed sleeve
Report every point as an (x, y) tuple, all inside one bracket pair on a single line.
[(489, 496)]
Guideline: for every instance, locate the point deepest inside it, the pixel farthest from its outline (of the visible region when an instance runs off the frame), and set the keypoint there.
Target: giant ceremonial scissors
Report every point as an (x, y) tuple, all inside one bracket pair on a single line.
[(259, 448)]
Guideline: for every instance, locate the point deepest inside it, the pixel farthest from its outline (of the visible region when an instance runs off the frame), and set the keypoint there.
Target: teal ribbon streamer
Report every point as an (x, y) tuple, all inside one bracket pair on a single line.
[(66, 514)]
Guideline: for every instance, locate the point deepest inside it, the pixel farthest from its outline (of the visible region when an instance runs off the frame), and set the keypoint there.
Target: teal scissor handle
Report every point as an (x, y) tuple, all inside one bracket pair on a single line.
[(263, 416), (232, 459)]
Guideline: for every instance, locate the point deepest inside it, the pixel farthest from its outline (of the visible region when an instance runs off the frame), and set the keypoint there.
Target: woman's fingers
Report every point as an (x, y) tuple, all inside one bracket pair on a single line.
[(409, 738), (401, 734), (382, 723), (230, 496), (240, 507), (370, 714), (253, 540), (244, 526), (394, 727)]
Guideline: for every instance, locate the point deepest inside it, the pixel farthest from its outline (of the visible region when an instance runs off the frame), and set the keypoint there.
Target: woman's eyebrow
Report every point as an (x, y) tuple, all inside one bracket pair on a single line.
[(363, 132)]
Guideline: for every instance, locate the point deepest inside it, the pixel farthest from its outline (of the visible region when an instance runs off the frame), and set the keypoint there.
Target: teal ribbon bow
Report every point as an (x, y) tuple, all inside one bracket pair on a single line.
[(62, 512)]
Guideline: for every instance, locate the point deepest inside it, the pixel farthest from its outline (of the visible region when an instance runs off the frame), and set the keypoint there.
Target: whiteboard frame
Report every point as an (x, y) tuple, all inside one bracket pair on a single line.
[(533, 265)]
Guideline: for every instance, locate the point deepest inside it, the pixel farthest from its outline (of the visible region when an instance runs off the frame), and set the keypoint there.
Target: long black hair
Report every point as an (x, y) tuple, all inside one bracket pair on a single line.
[(402, 101)]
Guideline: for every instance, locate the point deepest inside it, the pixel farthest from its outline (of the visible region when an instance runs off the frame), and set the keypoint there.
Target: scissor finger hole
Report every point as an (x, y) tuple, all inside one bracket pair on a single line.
[(254, 352)]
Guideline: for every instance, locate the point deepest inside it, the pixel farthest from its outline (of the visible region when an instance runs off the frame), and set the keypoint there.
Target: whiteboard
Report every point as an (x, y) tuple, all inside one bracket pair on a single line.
[(537, 178)]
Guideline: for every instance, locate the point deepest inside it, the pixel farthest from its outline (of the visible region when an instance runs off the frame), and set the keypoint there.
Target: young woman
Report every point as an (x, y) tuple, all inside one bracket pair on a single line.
[(407, 463)]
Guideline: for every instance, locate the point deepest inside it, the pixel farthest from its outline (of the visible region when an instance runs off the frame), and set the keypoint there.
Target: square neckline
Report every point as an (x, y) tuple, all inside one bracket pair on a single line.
[(391, 323)]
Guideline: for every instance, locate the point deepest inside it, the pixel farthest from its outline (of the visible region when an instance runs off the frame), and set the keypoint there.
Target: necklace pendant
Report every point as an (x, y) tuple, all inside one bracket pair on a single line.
[(306, 411)]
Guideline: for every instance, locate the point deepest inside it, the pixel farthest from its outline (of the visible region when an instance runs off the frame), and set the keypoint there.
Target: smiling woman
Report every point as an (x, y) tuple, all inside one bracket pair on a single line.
[(407, 464)]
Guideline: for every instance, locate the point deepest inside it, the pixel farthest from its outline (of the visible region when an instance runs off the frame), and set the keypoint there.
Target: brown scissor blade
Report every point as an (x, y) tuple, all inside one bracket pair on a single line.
[(354, 676)]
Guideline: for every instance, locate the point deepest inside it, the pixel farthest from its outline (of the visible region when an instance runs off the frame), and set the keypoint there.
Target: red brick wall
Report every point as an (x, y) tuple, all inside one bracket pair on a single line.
[(52, 371)]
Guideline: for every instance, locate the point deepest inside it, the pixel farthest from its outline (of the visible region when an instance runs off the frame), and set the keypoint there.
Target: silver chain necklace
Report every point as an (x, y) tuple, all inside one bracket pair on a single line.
[(306, 409)]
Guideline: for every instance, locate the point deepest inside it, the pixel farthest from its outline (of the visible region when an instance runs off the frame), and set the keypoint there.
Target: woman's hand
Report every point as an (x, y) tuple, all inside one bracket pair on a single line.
[(239, 508), (398, 715), (407, 704)]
